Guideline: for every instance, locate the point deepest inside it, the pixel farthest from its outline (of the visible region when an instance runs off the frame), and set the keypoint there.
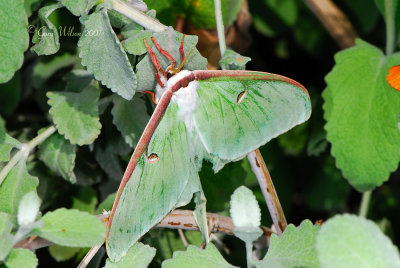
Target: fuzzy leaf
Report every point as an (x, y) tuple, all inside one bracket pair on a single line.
[(7, 143), (351, 241), (245, 211), (359, 100), (103, 55), (71, 228), (46, 37), (232, 60), (77, 80), (135, 44), (79, 7), (17, 183), (20, 257), (6, 240), (170, 41), (59, 155), (138, 256), (28, 208), (76, 114), (130, 118), (195, 257), (14, 38), (295, 248)]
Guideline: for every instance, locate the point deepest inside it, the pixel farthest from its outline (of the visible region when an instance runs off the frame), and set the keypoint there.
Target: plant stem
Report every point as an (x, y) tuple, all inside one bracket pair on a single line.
[(390, 27), (249, 254), (138, 17), (24, 151), (268, 190), (220, 26), (366, 197)]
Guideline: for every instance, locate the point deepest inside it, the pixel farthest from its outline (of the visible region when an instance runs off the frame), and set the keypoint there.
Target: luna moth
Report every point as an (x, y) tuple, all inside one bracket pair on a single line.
[(213, 115)]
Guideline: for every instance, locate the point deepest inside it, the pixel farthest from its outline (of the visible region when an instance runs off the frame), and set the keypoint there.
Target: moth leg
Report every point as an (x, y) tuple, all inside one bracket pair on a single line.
[(181, 49), (156, 64), (151, 93), (165, 53)]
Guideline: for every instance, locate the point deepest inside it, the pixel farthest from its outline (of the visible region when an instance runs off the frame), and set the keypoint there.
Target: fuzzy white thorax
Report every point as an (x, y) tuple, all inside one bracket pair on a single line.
[(186, 98)]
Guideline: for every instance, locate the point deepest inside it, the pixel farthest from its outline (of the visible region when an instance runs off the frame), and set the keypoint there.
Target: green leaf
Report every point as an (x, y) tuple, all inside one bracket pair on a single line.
[(103, 55), (274, 16), (201, 12), (219, 187), (79, 7), (46, 37), (135, 44), (17, 183), (7, 143), (295, 248), (10, 91), (195, 257), (6, 239), (31, 6), (139, 255), (28, 208), (59, 155), (77, 80), (71, 228), (85, 200), (359, 100), (61, 253), (351, 241), (232, 60), (170, 41), (48, 67), (106, 204), (76, 114), (14, 38), (130, 117), (20, 257)]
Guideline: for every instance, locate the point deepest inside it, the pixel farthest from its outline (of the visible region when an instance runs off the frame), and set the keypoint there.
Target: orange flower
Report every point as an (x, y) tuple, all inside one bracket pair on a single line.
[(393, 77)]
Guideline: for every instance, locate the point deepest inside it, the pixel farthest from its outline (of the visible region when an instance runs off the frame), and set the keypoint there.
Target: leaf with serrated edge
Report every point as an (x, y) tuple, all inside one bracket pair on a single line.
[(17, 183), (7, 143), (71, 228), (76, 114), (351, 241), (295, 248), (14, 38), (135, 44), (359, 100), (28, 208), (195, 257), (46, 37), (20, 257), (103, 55), (79, 7), (130, 118), (59, 155), (138, 256)]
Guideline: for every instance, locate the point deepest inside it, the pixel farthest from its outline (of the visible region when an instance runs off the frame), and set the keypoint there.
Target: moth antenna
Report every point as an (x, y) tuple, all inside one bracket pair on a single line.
[(177, 70)]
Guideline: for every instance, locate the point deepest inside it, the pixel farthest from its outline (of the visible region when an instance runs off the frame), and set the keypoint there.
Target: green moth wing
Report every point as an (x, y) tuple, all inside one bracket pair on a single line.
[(238, 113), (155, 186)]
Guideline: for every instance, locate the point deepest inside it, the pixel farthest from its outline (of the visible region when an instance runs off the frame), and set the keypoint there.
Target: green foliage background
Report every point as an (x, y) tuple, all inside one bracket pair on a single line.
[(286, 39)]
